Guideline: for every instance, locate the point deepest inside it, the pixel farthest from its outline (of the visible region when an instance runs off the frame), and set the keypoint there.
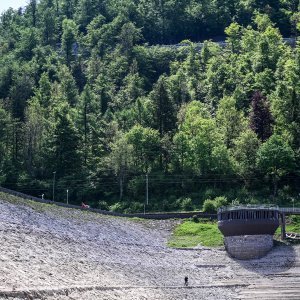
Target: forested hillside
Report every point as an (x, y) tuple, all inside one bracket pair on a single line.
[(91, 101)]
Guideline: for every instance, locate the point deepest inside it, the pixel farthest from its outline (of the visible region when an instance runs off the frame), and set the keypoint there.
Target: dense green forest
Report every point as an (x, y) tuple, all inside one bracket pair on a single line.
[(93, 101)]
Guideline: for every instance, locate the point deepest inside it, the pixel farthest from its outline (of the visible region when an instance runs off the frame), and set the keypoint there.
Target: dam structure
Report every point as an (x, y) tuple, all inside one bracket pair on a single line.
[(248, 230)]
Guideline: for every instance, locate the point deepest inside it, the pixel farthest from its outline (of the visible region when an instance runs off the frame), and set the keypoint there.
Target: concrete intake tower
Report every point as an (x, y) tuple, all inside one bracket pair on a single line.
[(248, 230)]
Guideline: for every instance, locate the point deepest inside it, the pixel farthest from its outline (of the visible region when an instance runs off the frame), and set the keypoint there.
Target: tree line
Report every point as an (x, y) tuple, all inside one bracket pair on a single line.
[(87, 95)]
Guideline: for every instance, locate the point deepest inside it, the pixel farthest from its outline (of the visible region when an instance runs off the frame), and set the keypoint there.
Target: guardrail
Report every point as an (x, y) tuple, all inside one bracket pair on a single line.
[(290, 210), (248, 207), (155, 216), (223, 44), (286, 210)]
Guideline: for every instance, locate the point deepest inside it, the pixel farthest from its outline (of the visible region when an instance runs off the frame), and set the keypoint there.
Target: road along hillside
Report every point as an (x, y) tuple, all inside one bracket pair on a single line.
[(50, 252)]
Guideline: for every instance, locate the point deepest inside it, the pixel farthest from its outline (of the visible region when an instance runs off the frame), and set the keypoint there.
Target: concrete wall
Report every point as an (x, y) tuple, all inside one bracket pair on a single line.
[(248, 246)]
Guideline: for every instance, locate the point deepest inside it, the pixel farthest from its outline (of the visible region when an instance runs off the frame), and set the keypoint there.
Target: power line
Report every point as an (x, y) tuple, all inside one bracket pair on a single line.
[(153, 177)]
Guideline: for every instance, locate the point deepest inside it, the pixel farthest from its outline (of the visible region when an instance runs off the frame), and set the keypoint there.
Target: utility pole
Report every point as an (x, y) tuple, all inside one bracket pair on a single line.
[(67, 196), (147, 190), (147, 194), (53, 190), (121, 187)]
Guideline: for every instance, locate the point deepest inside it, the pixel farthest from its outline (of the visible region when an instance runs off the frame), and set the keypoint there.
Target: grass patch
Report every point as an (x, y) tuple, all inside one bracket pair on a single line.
[(292, 225), (190, 234)]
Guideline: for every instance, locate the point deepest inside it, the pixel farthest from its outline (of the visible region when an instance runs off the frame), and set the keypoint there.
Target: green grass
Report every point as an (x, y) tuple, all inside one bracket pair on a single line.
[(292, 225), (190, 234)]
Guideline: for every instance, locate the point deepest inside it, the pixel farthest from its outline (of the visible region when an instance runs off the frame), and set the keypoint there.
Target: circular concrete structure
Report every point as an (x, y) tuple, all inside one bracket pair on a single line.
[(248, 231), (248, 246)]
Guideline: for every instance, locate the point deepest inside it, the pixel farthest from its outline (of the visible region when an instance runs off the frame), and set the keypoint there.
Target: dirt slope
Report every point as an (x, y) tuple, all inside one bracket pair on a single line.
[(50, 252)]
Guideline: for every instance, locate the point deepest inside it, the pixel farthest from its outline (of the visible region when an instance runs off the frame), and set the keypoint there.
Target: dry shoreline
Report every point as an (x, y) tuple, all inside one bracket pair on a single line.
[(69, 254)]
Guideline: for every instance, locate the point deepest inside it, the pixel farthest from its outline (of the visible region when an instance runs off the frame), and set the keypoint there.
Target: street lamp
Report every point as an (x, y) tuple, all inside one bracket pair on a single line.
[(53, 186)]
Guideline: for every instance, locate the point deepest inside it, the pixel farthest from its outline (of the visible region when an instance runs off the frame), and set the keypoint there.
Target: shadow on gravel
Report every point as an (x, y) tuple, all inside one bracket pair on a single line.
[(280, 259)]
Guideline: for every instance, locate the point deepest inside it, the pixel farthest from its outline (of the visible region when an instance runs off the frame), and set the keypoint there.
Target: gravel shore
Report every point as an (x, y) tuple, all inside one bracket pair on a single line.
[(59, 253)]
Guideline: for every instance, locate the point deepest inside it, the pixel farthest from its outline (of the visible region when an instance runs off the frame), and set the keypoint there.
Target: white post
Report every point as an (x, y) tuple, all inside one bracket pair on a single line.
[(67, 196)]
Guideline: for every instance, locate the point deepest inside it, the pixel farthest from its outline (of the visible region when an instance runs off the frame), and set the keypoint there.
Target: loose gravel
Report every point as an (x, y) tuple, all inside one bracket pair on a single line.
[(50, 252)]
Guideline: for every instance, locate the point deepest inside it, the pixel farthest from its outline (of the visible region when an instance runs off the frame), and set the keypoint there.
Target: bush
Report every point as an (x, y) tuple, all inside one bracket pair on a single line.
[(210, 193), (185, 204), (118, 207), (209, 206), (295, 219), (252, 201), (235, 202), (165, 206), (134, 207), (102, 205), (220, 201), (195, 219)]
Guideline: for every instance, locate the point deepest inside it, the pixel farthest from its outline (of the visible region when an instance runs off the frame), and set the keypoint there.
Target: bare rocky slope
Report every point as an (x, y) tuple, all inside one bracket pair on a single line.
[(50, 252)]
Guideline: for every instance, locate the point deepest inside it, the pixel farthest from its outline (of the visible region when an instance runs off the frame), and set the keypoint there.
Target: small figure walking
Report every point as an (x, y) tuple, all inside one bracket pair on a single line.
[(186, 281)]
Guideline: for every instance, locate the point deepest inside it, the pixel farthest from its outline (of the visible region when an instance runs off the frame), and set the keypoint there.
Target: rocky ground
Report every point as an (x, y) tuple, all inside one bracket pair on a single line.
[(49, 252)]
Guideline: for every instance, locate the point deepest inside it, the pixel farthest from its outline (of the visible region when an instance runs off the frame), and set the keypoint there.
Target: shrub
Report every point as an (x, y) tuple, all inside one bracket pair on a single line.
[(210, 193), (165, 206), (185, 204), (134, 207), (295, 219), (235, 202), (209, 206), (102, 205), (252, 201), (220, 201), (118, 207), (195, 219)]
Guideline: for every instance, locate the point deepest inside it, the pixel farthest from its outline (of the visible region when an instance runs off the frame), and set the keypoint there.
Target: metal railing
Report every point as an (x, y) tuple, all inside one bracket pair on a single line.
[(290, 41), (287, 210), (248, 207), (290, 210)]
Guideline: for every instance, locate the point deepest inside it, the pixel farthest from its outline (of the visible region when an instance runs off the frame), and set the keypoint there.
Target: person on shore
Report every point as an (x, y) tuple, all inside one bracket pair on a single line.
[(83, 205), (186, 281)]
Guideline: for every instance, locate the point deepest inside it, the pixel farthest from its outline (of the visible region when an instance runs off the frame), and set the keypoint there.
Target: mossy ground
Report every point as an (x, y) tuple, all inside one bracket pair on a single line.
[(190, 234)]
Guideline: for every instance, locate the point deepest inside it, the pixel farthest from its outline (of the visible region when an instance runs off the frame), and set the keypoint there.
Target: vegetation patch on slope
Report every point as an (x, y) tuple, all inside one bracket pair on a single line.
[(58, 211), (191, 233)]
